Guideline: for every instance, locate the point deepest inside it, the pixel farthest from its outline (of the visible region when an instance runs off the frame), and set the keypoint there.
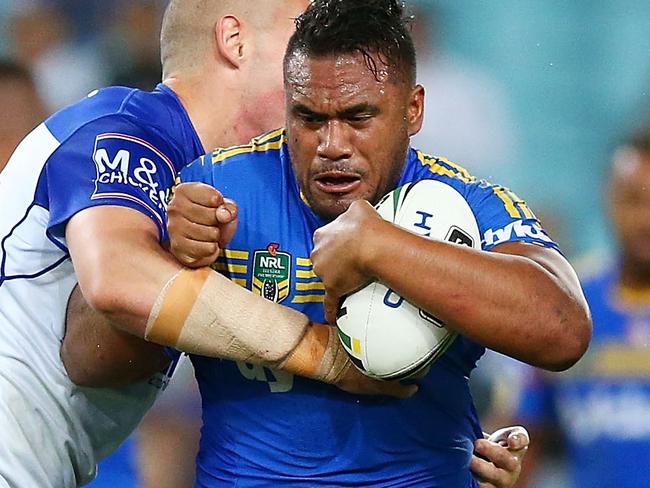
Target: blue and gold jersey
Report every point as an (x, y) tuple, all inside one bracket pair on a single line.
[(602, 404), (267, 428)]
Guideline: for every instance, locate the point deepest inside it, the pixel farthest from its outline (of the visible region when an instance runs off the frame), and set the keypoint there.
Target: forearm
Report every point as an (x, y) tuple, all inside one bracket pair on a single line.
[(96, 354), (506, 302), (128, 277)]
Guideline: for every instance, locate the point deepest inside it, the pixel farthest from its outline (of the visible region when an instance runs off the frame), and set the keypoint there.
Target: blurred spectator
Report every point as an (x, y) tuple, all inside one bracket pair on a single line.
[(601, 407), (466, 113), (133, 47), (64, 71), (22, 109)]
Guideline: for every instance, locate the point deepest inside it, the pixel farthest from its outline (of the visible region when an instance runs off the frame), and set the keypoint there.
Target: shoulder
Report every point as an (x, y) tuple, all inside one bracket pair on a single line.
[(260, 157), (476, 191), (115, 109)]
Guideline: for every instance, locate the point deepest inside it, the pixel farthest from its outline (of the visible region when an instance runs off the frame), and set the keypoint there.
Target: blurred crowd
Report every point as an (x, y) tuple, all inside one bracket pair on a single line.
[(550, 98)]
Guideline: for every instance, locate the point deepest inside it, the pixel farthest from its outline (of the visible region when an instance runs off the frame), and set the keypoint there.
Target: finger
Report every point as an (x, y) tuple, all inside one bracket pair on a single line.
[(229, 225), (194, 231), (331, 307), (227, 212), (187, 250), (488, 474), (518, 439), (496, 454), (180, 210), (200, 194)]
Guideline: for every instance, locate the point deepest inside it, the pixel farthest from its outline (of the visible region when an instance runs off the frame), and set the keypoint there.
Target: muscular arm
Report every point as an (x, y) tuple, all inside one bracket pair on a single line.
[(522, 300), (97, 354), (125, 274)]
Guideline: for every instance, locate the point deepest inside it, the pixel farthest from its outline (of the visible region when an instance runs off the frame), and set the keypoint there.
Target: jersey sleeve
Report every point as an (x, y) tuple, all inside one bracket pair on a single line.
[(503, 217), (111, 161)]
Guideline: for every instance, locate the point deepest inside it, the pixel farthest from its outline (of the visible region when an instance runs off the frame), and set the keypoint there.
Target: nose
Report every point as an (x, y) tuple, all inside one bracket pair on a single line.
[(334, 143)]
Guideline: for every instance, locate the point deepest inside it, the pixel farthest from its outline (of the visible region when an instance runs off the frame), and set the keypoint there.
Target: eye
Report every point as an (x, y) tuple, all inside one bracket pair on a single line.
[(359, 118), (311, 118)]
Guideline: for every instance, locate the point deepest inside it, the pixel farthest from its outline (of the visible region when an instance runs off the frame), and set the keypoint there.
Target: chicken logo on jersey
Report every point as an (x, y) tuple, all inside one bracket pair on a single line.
[(272, 273)]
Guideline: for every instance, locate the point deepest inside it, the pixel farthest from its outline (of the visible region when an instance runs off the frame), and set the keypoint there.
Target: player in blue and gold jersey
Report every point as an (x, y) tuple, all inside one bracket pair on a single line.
[(351, 106), (601, 407)]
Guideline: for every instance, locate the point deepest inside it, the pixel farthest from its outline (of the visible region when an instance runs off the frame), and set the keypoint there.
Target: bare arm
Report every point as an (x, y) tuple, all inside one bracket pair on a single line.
[(123, 272), (97, 354), (522, 300)]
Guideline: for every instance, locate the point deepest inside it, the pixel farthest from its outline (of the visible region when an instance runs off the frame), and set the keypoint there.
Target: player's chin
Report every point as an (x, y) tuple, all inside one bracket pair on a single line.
[(331, 207)]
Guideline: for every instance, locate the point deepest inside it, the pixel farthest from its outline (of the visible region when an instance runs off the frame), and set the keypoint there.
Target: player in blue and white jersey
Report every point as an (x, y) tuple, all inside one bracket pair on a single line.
[(352, 105), (83, 199), (601, 407)]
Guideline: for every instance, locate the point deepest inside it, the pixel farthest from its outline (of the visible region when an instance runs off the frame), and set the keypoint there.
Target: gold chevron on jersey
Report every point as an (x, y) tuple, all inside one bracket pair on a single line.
[(514, 205), (444, 167), (271, 141), (233, 264), (309, 288)]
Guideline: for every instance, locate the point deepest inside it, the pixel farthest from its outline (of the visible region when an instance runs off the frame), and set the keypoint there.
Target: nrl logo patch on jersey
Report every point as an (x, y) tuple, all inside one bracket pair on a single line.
[(272, 273)]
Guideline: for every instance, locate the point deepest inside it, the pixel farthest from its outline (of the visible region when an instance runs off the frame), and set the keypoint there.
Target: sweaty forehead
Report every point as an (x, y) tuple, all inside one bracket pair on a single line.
[(336, 78)]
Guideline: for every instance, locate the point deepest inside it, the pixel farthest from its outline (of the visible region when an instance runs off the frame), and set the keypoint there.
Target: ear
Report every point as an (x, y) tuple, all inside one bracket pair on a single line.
[(230, 46), (415, 110)]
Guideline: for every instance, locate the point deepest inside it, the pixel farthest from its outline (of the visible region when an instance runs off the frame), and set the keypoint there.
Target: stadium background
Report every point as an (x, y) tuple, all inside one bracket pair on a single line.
[(532, 94)]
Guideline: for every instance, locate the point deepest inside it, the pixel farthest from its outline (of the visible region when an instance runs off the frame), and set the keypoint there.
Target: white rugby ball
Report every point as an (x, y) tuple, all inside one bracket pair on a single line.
[(386, 336)]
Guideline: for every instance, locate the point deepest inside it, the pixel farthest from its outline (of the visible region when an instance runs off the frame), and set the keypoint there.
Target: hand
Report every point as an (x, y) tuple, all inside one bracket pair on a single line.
[(354, 381), (339, 253), (201, 222), (504, 453)]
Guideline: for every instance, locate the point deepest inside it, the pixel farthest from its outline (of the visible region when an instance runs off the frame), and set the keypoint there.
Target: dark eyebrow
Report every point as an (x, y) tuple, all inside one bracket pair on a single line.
[(301, 109)]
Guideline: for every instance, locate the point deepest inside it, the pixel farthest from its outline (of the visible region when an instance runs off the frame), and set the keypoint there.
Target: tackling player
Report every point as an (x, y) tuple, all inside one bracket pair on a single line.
[(352, 105), (83, 199)]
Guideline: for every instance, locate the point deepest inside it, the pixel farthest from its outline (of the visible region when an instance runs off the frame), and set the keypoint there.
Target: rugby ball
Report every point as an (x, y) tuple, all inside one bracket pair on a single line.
[(386, 336)]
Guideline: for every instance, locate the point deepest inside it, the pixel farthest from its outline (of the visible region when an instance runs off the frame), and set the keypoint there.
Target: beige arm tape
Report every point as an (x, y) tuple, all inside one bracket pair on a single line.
[(202, 312)]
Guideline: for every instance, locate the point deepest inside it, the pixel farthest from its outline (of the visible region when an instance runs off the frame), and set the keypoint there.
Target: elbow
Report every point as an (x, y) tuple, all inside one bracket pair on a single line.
[(102, 295), (571, 343)]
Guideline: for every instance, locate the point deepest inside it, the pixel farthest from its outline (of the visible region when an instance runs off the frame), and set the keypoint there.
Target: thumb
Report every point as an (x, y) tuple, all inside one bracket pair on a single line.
[(227, 216)]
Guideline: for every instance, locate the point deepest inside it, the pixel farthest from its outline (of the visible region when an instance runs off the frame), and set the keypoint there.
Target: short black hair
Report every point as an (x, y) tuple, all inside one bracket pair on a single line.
[(378, 29)]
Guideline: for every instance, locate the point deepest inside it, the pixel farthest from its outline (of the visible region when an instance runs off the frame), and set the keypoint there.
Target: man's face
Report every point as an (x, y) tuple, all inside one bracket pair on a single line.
[(630, 205), (348, 131)]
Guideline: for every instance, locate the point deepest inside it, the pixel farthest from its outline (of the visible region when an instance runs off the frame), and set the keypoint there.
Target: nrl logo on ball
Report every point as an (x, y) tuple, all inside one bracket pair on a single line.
[(272, 273)]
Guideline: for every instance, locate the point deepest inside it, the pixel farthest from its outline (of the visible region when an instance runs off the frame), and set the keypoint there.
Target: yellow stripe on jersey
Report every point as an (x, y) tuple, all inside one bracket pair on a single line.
[(458, 168), (308, 299), (437, 166), (520, 204), (508, 202), (317, 285), (304, 262), (305, 274), (239, 281), (230, 268), (224, 154), (232, 254), (267, 137)]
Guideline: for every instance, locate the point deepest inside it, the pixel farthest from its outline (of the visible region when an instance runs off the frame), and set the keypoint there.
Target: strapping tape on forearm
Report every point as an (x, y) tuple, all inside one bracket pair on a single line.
[(202, 312), (319, 355)]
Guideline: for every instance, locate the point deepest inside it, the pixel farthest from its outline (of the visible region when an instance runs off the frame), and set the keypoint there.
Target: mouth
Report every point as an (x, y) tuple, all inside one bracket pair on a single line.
[(337, 182)]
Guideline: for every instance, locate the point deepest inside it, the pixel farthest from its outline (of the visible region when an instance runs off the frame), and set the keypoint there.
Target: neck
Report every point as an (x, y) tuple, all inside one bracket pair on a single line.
[(212, 108)]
